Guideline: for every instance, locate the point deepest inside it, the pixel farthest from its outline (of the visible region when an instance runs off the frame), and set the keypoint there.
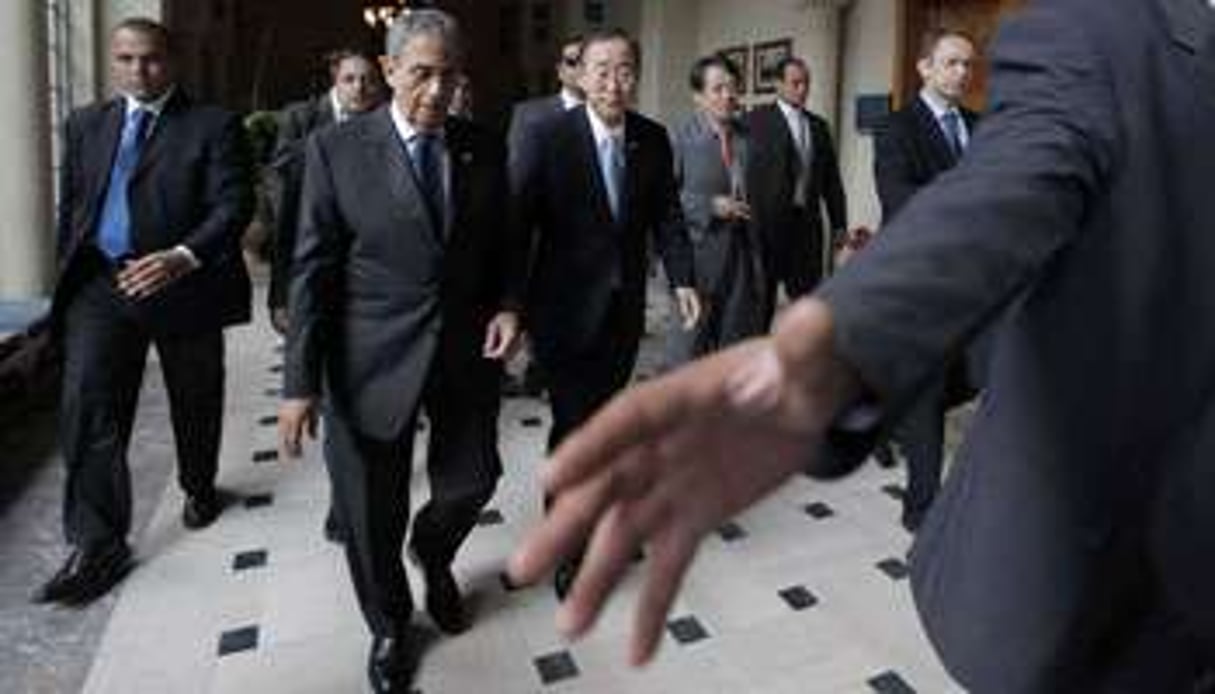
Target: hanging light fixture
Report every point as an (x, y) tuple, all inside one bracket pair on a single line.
[(382, 14)]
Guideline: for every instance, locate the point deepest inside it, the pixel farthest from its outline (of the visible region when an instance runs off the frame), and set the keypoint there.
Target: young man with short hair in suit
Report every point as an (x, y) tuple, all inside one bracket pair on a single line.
[(155, 194), (922, 140)]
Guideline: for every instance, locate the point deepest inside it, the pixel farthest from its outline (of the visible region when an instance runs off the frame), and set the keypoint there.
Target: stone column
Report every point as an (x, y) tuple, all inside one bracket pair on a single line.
[(26, 234)]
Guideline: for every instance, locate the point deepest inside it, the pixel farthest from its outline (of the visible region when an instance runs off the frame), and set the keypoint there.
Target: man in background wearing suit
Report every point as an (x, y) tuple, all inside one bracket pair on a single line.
[(533, 113), (398, 305), (1072, 549), (598, 192), (523, 144), (796, 173), (356, 88), (155, 194), (922, 140), (712, 157)]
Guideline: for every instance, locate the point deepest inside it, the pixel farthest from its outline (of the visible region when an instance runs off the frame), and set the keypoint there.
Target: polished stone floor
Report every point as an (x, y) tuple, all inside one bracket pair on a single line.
[(805, 593)]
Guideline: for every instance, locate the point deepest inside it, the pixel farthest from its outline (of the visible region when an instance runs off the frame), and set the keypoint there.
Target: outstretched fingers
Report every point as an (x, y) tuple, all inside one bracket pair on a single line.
[(668, 559)]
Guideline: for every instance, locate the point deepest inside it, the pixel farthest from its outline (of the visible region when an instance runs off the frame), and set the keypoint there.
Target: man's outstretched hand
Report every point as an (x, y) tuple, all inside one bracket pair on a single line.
[(669, 460)]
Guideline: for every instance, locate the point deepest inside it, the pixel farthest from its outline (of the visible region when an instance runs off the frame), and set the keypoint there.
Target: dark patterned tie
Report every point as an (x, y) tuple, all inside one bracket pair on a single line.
[(430, 176)]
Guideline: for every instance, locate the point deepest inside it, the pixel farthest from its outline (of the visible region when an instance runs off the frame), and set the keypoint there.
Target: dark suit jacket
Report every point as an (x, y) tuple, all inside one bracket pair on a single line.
[(910, 152), (1084, 206), (775, 178), (582, 255), (521, 143), (379, 297), (191, 186), (295, 123)]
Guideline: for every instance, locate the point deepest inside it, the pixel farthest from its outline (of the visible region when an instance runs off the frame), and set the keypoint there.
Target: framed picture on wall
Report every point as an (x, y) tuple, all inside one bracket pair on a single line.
[(767, 62), (740, 56)]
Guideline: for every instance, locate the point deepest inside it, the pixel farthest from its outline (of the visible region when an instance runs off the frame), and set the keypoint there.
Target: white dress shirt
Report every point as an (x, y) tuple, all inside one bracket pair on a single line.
[(939, 108)]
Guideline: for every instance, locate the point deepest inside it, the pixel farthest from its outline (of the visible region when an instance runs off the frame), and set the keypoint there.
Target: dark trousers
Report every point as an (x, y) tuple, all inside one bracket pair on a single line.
[(732, 294), (370, 479), (921, 436), (579, 384), (794, 256), (105, 349)]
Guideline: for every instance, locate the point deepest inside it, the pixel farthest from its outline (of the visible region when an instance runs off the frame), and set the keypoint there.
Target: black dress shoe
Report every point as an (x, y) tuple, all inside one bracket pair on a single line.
[(393, 663), (913, 519), (884, 455), (335, 532), (443, 601), (200, 511), (86, 576)]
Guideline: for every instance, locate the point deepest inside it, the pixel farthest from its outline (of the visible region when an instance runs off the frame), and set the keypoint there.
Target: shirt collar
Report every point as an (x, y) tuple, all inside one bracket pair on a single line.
[(788, 109), (936, 104), (339, 112), (405, 129), (570, 100), (155, 106), (600, 130)]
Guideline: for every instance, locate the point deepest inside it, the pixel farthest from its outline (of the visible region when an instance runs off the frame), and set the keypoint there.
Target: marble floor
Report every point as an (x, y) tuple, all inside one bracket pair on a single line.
[(806, 593)]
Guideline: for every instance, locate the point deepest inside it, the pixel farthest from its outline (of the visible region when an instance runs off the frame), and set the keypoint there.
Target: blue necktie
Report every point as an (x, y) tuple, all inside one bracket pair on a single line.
[(611, 163), (430, 176), (114, 232), (953, 132)]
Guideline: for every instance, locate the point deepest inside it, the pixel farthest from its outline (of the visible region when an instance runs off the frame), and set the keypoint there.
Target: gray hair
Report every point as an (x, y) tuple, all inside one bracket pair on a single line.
[(411, 24)]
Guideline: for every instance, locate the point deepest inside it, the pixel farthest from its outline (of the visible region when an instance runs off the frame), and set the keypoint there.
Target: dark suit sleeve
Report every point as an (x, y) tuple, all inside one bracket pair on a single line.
[(316, 269), (69, 194), (287, 167), (832, 185), (894, 167), (517, 145), (671, 232), (229, 193), (977, 237)]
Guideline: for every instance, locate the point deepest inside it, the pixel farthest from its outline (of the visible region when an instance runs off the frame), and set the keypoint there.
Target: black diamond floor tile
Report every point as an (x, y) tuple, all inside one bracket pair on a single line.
[(250, 560), (556, 667), (798, 598), (237, 640), (259, 500), (490, 516), (265, 456), (687, 630), (818, 510), (896, 569), (268, 420), (731, 531), (894, 491), (890, 683)]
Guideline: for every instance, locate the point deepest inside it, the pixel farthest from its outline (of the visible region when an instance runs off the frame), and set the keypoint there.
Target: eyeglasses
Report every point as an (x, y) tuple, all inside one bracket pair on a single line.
[(570, 60)]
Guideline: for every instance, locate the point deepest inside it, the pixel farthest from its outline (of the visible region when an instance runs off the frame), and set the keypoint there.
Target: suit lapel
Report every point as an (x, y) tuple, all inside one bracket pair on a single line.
[(161, 137), (942, 157), (590, 163), (385, 146), (101, 158), (461, 156)]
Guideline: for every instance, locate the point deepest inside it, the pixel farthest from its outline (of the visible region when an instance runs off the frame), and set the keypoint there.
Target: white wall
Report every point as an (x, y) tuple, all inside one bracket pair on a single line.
[(725, 23), (868, 56)]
